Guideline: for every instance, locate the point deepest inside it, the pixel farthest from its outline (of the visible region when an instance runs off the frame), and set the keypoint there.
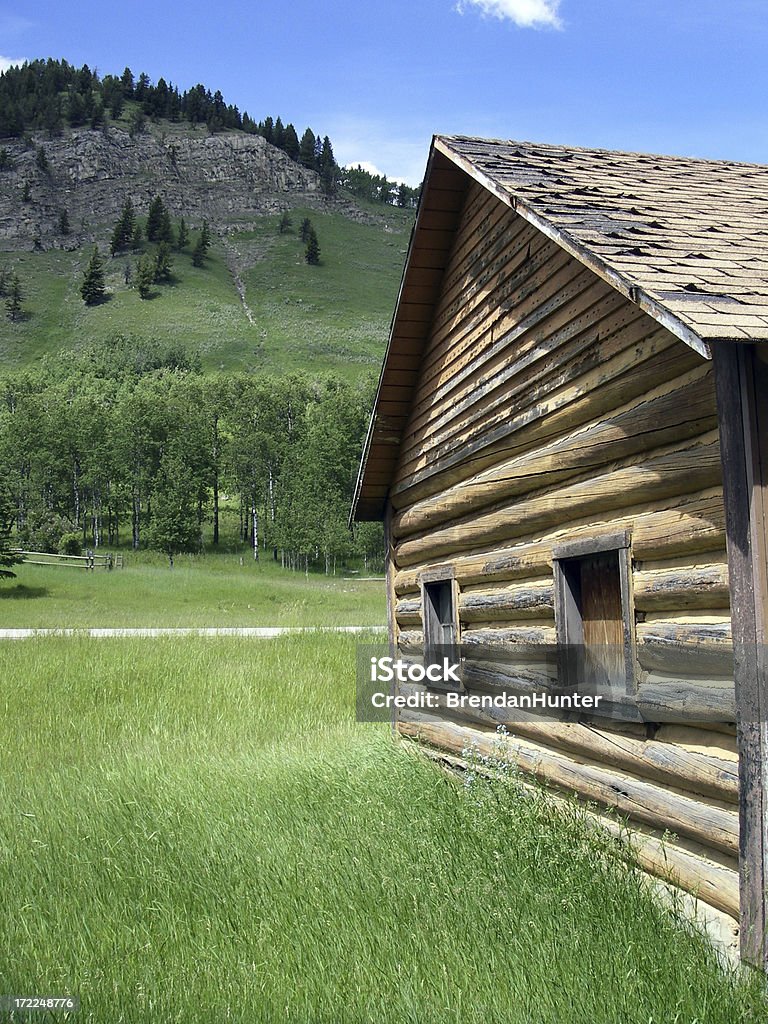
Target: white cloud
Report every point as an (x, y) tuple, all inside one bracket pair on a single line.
[(524, 13), (402, 156), (10, 62)]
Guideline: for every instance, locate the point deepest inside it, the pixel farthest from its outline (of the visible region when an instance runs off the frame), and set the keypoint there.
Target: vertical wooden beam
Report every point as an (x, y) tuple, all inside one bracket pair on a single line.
[(389, 571), (742, 392)]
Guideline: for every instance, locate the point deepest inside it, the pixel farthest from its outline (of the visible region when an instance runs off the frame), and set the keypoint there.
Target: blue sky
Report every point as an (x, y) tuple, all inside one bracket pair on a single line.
[(664, 76)]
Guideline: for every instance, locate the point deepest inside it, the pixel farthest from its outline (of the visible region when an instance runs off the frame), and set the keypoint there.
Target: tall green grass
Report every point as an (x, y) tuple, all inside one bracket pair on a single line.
[(200, 832), (201, 590)]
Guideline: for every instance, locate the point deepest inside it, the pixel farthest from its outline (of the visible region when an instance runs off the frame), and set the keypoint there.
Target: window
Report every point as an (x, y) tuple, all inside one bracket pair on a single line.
[(593, 612), (441, 626)]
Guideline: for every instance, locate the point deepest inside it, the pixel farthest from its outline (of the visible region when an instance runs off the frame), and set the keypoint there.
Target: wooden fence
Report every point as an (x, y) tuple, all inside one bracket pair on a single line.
[(90, 560)]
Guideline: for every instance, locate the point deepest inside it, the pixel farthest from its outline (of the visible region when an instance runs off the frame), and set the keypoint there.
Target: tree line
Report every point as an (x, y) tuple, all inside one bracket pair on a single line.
[(49, 95), (130, 443)]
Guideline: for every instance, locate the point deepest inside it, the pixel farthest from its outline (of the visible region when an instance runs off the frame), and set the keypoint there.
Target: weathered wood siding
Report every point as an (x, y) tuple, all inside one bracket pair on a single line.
[(548, 409)]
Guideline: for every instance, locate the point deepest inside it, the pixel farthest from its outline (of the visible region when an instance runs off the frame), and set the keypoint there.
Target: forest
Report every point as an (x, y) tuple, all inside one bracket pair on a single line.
[(128, 443)]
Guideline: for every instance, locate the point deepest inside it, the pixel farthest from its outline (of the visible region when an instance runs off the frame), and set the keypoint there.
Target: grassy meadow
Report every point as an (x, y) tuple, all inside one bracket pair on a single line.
[(201, 590), (199, 831), (334, 316)]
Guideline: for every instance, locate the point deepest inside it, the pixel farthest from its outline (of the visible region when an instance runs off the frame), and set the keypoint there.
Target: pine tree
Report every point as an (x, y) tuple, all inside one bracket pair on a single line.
[(92, 289), (312, 252), (26, 192), (145, 275), (202, 246), (163, 264), (285, 223), (182, 236), (41, 159), (291, 142), (64, 228), (304, 230), (7, 557), (328, 168), (307, 149), (122, 236), (155, 219), (165, 231), (15, 299)]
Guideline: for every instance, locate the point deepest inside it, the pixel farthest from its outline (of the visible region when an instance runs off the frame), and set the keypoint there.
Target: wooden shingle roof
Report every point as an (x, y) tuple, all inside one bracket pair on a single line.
[(691, 234), (685, 239)]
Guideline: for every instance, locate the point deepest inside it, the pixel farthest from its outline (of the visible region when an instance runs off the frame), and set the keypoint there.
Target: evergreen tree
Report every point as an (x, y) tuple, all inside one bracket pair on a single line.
[(163, 264), (145, 275), (202, 246), (307, 149), (328, 168), (312, 252), (127, 83), (138, 235), (304, 230), (92, 289), (278, 136), (26, 192), (155, 219), (15, 299), (5, 159), (64, 228), (7, 558), (182, 236), (291, 142), (165, 230), (122, 235), (285, 223)]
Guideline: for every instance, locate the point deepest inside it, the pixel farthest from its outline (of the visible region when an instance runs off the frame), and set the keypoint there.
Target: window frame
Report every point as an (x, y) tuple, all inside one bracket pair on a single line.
[(445, 576), (568, 614)]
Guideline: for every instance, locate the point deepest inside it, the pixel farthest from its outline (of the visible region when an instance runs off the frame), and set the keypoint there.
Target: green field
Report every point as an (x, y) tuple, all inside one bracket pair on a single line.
[(202, 590), (198, 832), (334, 316)]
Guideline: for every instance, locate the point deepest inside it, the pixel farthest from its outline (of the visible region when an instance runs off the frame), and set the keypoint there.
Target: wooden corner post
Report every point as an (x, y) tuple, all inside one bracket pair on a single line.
[(741, 374)]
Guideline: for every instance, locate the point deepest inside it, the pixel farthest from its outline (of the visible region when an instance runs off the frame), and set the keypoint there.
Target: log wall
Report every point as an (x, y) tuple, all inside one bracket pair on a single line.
[(550, 409)]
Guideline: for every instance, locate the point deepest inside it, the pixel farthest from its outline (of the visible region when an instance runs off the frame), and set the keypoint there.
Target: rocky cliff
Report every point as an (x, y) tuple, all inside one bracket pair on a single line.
[(225, 178)]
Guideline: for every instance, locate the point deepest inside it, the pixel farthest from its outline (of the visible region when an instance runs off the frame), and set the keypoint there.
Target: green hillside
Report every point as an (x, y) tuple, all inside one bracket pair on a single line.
[(332, 316)]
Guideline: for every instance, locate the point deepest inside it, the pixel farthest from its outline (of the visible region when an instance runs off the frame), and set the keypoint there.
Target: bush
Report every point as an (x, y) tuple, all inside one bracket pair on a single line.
[(70, 544), (43, 533)]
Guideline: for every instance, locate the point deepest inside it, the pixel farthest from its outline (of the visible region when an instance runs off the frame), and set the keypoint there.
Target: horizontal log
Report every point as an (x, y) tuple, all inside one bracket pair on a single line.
[(682, 588), (525, 600), (682, 413), (686, 701), (549, 415), (716, 884), (495, 637), (691, 469), (686, 649), (662, 809), (667, 763), (688, 525), (408, 612), (526, 374)]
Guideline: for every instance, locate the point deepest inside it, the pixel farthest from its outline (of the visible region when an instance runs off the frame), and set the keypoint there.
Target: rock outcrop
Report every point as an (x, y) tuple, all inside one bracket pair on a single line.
[(226, 178)]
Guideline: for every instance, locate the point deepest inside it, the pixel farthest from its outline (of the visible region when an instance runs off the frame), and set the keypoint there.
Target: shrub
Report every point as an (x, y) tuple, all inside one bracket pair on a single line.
[(70, 544)]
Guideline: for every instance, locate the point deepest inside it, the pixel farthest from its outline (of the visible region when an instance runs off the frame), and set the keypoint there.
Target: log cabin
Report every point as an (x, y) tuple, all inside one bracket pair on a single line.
[(569, 447)]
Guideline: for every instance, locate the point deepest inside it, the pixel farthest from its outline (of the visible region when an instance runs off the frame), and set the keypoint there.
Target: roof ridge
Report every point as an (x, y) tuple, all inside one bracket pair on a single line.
[(566, 147)]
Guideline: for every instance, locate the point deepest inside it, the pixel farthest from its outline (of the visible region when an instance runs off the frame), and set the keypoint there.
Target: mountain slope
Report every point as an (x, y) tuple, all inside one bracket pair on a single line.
[(255, 305)]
